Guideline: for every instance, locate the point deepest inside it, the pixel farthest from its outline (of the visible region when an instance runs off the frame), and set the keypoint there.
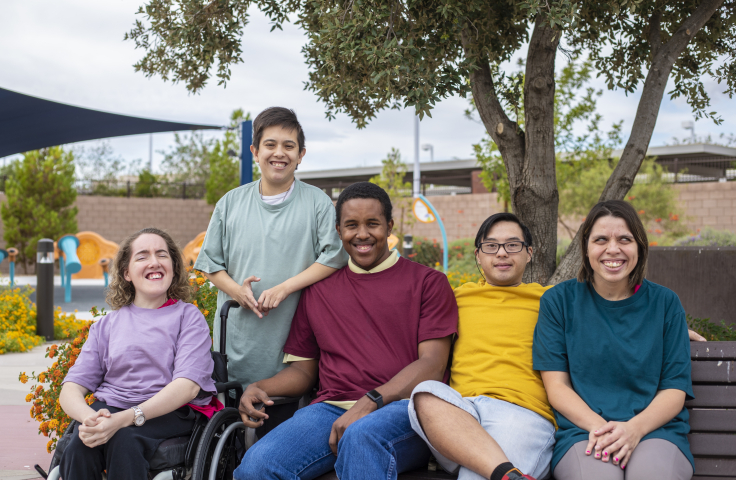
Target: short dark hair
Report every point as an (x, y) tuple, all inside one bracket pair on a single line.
[(281, 117), (617, 209), (502, 217), (365, 190)]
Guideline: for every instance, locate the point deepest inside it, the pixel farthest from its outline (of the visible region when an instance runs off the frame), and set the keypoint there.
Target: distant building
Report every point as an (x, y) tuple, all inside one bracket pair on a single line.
[(686, 163)]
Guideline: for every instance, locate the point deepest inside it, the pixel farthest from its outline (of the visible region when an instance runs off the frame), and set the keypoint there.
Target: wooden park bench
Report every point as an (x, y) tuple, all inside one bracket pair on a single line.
[(712, 416)]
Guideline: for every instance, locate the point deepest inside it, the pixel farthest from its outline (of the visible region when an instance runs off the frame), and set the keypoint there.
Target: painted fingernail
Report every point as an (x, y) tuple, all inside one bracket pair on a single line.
[(587, 452), (605, 454), (615, 459), (623, 467)]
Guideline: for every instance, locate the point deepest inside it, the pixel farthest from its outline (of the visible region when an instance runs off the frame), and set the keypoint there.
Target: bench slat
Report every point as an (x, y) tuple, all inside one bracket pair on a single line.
[(717, 467), (713, 444), (712, 420), (713, 350), (720, 371), (713, 396), (700, 477)]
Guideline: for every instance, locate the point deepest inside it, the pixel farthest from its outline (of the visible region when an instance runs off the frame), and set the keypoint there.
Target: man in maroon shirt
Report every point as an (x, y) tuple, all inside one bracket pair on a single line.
[(373, 330)]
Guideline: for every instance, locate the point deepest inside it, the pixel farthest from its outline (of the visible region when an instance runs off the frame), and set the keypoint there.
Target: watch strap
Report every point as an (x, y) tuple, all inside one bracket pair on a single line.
[(138, 413), (376, 397)]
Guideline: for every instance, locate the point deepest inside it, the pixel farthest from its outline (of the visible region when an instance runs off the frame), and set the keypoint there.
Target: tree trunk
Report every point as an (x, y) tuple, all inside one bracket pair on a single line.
[(622, 178), (529, 155), (534, 194)]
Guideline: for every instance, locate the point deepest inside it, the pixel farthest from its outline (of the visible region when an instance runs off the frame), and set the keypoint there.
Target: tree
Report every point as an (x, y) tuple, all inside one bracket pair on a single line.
[(188, 160), (365, 57), (40, 195), (391, 179), (98, 169), (224, 162)]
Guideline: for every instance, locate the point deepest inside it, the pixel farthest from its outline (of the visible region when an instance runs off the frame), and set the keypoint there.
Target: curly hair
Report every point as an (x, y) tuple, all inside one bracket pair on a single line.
[(121, 292)]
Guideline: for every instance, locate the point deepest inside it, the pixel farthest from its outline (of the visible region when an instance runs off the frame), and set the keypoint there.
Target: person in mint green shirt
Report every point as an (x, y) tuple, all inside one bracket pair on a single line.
[(614, 355), (266, 241)]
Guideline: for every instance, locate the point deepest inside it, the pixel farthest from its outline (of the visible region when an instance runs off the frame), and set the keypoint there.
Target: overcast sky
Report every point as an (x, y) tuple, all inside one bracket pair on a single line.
[(73, 52)]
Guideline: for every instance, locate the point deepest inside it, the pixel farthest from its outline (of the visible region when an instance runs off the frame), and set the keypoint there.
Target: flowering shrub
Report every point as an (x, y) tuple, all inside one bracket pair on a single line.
[(458, 278), (66, 325), (17, 320), (204, 296), (44, 395)]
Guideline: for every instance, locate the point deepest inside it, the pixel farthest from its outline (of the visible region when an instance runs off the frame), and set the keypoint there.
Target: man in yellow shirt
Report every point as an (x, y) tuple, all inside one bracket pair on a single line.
[(494, 416)]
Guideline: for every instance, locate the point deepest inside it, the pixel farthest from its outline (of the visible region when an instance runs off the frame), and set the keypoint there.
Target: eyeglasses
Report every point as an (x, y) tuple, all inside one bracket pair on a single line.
[(509, 247)]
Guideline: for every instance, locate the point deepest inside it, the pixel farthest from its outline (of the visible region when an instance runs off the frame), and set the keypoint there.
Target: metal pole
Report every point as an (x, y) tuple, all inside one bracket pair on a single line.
[(150, 152), (45, 288), (246, 157), (442, 230), (417, 169)]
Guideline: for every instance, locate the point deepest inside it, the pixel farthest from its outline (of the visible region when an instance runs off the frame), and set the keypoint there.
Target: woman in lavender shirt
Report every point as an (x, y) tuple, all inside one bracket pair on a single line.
[(147, 362)]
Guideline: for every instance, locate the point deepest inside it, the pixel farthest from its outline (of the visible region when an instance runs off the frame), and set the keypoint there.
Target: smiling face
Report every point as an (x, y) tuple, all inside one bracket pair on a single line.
[(503, 269), (278, 156), (150, 270), (364, 232), (612, 251)]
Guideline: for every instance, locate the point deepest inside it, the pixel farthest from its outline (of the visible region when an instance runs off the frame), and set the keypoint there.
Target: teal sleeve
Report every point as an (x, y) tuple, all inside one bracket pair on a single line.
[(329, 249), (549, 351), (676, 368), (211, 256)]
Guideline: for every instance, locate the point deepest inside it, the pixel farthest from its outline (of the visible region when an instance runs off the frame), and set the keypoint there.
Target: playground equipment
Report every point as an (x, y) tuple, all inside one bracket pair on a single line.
[(105, 263), (70, 264), (393, 242), (93, 247), (12, 253), (191, 250)]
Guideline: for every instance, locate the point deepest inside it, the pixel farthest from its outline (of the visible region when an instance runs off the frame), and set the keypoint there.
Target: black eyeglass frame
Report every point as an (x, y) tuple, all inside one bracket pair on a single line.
[(523, 245)]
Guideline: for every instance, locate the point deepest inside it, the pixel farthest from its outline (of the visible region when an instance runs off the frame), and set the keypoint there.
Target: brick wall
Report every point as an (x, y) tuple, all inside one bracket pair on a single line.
[(708, 204), (711, 204)]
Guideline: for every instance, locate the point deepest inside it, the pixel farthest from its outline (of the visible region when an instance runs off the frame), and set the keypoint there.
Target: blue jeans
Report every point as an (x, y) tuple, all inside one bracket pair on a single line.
[(378, 446)]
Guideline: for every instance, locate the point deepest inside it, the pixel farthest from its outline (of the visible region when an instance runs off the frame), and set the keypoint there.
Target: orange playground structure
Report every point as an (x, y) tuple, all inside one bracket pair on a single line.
[(92, 248)]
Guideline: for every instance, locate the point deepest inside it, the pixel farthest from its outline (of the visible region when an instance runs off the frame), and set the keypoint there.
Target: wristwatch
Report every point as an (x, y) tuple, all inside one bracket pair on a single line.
[(140, 419), (376, 397)]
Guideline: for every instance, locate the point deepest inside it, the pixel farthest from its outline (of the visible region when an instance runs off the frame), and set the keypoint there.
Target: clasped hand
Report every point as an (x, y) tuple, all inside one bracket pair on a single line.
[(268, 300), (98, 428), (614, 441)]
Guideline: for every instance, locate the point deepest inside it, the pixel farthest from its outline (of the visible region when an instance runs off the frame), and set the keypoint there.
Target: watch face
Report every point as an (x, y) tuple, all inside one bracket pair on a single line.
[(139, 420)]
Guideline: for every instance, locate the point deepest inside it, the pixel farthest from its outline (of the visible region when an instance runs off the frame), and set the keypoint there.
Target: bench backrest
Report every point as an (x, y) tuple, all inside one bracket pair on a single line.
[(713, 412)]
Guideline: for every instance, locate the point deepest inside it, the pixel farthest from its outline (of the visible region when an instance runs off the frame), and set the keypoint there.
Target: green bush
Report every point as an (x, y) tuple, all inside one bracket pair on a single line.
[(460, 256), (709, 237), (711, 330)]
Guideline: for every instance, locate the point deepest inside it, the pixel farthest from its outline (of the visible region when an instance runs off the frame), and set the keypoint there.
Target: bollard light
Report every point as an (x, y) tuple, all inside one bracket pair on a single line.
[(45, 288), (408, 245)]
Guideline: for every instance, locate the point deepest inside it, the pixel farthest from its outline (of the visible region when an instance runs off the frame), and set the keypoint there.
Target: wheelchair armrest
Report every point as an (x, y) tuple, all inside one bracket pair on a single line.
[(224, 387)]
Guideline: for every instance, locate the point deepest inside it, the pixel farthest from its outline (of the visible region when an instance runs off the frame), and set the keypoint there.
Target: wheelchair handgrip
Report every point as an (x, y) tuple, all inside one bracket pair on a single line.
[(224, 311)]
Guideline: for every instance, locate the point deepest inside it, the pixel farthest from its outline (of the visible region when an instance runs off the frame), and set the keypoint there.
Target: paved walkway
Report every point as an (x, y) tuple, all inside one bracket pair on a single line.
[(21, 446)]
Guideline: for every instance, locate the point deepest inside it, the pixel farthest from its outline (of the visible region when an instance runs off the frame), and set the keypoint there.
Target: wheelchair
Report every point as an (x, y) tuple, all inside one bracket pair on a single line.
[(216, 445)]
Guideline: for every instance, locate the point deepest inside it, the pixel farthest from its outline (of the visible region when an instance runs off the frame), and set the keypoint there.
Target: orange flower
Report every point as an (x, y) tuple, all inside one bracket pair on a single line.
[(658, 231), (674, 218), (641, 212), (657, 220), (75, 351), (653, 244), (23, 377), (49, 445), (632, 197), (29, 397)]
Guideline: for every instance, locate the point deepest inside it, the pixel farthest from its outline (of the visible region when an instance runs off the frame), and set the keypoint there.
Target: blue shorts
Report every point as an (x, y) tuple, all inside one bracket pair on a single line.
[(526, 437)]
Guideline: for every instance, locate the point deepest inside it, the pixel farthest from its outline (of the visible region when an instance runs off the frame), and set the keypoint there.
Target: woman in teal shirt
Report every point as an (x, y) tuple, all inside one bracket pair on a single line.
[(614, 355)]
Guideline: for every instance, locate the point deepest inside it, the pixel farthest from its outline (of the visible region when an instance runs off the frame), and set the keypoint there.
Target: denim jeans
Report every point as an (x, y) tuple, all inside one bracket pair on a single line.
[(378, 446), (526, 437)]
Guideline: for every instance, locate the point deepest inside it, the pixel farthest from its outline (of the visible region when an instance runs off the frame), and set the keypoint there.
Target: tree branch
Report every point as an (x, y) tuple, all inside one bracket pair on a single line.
[(622, 178), (655, 39), (504, 132)]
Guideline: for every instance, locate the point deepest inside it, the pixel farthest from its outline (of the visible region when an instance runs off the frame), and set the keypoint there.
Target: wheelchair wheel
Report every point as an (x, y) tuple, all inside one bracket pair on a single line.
[(224, 424)]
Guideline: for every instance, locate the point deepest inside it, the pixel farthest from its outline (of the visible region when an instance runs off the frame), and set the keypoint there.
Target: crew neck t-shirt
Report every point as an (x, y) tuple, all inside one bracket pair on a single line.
[(247, 236), (619, 354), (492, 355), (132, 353), (364, 329), (278, 198)]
